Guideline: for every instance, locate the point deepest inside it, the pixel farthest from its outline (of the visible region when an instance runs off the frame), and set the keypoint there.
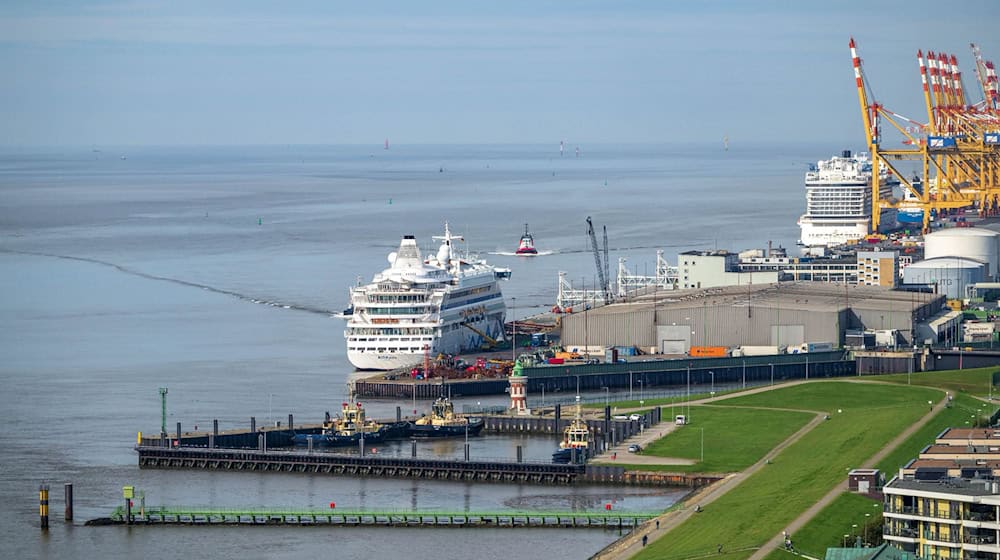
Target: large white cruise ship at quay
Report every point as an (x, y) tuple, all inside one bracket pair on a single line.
[(839, 200), (444, 304)]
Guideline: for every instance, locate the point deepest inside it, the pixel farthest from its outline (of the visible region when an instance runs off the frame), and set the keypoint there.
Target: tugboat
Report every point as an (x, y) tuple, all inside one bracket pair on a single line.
[(575, 436), (349, 429), (527, 244), (443, 422)]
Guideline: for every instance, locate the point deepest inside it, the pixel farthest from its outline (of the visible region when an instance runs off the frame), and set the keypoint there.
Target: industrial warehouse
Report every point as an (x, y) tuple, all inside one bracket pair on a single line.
[(784, 314)]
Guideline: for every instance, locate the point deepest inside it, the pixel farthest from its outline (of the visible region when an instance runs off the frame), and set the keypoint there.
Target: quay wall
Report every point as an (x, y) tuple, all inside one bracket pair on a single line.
[(648, 373)]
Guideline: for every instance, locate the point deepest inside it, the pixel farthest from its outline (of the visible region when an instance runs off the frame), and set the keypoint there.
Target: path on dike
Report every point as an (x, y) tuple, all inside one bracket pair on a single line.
[(631, 544)]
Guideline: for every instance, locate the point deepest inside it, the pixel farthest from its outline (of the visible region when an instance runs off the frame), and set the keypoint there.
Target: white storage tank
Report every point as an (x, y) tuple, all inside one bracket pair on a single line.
[(980, 244), (951, 274)]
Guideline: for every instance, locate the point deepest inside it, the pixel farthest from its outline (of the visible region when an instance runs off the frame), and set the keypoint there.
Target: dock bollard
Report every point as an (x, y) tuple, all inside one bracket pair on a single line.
[(179, 433), (43, 505), (253, 424), (211, 441), (361, 445), (68, 488), (260, 443), (467, 453), (309, 445), (413, 448), (520, 454), (558, 416), (399, 414), (290, 425), (215, 429)]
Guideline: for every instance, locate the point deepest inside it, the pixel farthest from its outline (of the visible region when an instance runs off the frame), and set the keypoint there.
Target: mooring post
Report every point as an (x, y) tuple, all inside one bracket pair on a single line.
[(413, 448), (290, 425), (253, 424), (128, 492), (215, 431), (399, 414), (260, 443), (572, 453), (43, 505), (520, 454), (361, 445), (467, 452), (309, 445), (211, 441), (558, 416), (68, 488)]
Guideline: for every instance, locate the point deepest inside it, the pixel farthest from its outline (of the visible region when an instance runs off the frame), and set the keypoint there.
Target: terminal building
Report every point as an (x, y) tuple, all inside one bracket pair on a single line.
[(776, 314)]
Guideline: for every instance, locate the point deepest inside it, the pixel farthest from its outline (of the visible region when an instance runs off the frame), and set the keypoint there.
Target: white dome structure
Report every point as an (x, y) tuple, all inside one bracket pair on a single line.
[(980, 244), (951, 274)]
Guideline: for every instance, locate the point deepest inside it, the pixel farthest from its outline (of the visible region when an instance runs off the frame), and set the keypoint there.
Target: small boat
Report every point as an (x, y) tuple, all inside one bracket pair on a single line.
[(576, 437), (349, 429), (527, 244), (443, 422)]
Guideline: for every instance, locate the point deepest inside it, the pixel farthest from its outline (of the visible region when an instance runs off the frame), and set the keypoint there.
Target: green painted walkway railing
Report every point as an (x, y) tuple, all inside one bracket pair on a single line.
[(377, 517)]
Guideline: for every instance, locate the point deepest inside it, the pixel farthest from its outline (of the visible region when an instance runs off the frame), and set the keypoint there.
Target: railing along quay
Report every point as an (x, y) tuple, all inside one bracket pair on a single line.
[(351, 518)]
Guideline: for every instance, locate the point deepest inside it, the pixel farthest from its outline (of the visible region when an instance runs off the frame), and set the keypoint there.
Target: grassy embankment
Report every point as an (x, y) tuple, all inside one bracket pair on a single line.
[(863, 419)]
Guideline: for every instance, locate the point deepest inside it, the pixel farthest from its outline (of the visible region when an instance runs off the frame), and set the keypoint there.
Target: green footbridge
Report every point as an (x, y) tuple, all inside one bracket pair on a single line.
[(388, 518)]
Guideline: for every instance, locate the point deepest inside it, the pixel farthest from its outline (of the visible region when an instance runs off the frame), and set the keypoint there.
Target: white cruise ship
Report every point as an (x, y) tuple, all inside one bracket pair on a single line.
[(442, 304), (839, 200)]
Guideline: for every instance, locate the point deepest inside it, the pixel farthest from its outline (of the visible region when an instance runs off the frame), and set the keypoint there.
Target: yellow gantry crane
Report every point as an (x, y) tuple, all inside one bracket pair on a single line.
[(958, 149)]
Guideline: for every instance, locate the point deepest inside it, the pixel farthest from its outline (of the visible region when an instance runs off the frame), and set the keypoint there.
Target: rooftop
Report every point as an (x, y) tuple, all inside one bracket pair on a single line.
[(805, 296)]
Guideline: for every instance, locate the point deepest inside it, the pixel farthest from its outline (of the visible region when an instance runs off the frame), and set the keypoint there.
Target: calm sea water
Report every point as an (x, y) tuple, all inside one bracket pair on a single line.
[(119, 276)]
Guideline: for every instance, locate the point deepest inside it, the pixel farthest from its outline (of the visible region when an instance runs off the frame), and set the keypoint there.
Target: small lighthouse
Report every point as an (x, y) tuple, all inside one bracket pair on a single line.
[(518, 390)]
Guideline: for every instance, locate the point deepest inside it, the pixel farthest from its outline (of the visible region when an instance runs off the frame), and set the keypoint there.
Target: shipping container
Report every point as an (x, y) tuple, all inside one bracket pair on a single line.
[(709, 351), (758, 351)]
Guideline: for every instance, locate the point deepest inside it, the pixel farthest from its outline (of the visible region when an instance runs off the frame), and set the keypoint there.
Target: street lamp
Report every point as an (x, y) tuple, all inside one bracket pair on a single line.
[(607, 395), (712, 373), (641, 401), (513, 329), (772, 373), (688, 419), (867, 515)]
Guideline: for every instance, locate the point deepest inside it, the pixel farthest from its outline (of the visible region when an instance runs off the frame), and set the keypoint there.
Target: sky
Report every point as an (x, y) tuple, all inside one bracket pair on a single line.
[(226, 72)]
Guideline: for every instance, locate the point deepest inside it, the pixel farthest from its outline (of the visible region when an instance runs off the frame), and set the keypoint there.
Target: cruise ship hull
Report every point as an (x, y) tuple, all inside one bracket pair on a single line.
[(454, 341)]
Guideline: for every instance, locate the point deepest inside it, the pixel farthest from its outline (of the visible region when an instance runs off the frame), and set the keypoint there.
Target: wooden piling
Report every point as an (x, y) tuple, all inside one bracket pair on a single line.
[(68, 488)]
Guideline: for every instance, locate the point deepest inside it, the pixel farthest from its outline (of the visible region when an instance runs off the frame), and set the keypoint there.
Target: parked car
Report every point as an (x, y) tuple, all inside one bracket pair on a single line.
[(635, 448), (635, 417)]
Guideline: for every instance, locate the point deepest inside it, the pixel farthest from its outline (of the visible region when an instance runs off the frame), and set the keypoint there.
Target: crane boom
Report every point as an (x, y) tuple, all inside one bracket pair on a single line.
[(597, 261)]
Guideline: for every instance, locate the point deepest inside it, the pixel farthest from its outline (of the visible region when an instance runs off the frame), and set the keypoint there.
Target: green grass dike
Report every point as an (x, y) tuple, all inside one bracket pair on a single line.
[(724, 439), (863, 418), (839, 524)]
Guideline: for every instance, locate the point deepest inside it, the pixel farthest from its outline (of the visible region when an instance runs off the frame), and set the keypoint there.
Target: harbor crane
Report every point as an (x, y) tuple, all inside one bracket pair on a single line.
[(601, 274)]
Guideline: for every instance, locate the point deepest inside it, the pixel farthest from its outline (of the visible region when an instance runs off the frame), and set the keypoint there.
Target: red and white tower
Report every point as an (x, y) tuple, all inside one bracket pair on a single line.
[(518, 390)]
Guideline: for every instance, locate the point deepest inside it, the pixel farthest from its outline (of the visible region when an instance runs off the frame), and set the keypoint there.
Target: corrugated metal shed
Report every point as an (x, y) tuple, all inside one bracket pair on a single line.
[(786, 313)]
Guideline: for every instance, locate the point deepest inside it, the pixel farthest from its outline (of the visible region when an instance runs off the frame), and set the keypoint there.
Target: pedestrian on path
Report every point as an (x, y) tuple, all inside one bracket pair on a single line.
[(719, 550), (644, 539), (657, 524)]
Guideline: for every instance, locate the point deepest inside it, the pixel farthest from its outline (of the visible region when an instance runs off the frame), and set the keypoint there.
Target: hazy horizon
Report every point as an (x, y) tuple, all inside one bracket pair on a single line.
[(126, 73)]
